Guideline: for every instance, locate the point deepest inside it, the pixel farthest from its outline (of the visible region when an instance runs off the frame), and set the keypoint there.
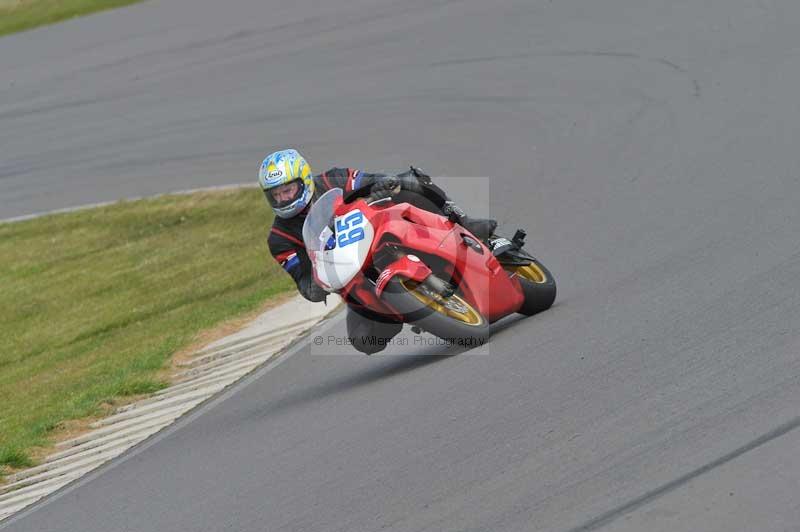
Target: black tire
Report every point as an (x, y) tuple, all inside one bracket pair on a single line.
[(539, 293), (457, 332)]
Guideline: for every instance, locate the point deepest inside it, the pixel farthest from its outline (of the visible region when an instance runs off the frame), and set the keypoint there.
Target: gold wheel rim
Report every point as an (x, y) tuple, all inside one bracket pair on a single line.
[(531, 272), (454, 306)]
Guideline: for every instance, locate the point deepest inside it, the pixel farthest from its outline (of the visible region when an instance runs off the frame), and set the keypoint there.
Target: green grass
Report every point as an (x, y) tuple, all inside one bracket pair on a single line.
[(19, 15), (93, 304)]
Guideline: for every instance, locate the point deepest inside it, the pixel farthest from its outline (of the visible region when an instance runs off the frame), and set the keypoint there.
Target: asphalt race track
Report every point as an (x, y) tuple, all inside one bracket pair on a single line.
[(649, 147)]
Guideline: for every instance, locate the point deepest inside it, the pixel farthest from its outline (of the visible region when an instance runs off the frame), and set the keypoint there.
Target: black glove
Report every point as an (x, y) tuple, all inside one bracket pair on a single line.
[(385, 182), (453, 211), (423, 178), (311, 290)]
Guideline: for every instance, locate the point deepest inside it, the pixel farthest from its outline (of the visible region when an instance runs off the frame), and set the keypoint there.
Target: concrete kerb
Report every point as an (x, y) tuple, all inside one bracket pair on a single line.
[(240, 356), (225, 345), (206, 376), (193, 376), (241, 348), (181, 394), (97, 452), (245, 351), (152, 408), (227, 364), (97, 446), (116, 429), (63, 469), (41, 489), (82, 451), (198, 382)]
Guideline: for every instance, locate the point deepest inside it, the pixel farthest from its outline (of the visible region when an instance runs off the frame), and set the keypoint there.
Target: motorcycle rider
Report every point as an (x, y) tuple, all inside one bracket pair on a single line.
[(290, 188)]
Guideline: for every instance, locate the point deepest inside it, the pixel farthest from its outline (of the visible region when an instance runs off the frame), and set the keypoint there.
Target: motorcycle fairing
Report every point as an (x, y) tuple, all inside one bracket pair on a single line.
[(405, 267), (480, 277), (343, 258)]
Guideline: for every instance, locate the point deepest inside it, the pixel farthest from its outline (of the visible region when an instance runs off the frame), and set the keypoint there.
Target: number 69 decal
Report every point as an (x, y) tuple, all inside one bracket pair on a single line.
[(349, 230)]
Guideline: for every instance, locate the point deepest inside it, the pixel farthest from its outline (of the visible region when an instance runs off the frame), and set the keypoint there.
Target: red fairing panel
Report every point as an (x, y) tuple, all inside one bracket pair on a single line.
[(405, 267), (480, 277)]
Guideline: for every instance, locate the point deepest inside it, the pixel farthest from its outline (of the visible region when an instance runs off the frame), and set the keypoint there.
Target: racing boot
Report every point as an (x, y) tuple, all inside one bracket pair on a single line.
[(480, 227)]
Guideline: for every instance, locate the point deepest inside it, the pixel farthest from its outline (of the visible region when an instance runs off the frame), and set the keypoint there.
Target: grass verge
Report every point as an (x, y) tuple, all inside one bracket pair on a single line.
[(20, 15), (94, 303)]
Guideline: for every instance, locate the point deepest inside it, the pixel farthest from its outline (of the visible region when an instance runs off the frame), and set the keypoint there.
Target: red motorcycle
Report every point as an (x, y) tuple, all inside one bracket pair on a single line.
[(410, 265)]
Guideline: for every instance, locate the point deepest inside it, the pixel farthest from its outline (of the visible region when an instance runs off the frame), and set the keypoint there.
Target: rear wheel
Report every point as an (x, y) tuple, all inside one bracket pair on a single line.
[(451, 318), (538, 286)]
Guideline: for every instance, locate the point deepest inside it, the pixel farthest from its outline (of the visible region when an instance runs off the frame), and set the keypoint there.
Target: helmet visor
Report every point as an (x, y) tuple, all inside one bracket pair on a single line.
[(285, 194)]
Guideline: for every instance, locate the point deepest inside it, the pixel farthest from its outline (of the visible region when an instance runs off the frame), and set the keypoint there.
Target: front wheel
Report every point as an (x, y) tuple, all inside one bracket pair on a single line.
[(538, 286), (451, 318)]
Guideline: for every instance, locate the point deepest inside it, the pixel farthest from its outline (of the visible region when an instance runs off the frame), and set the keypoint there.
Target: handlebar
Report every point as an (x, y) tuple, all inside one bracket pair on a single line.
[(370, 193), (353, 195)]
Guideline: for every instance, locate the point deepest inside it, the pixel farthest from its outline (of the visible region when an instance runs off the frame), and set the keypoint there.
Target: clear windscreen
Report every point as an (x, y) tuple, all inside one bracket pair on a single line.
[(317, 232)]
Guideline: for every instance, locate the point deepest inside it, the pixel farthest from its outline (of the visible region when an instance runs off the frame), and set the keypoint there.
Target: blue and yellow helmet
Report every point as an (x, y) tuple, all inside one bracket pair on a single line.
[(282, 168)]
